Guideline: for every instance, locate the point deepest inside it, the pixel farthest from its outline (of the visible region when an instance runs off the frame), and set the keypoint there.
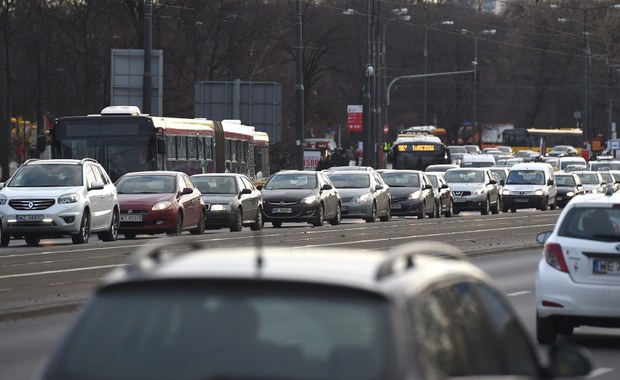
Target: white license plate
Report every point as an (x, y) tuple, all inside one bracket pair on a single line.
[(29, 218), (459, 199), (521, 200), (610, 267), (396, 206), (282, 210), (131, 218)]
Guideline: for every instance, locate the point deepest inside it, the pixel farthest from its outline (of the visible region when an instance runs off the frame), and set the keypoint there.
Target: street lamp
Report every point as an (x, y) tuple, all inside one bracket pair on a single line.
[(426, 29), (475, 63)]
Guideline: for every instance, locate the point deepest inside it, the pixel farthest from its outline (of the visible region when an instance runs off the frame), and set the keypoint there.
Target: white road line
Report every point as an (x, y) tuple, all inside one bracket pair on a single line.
[(518, 293), (598, 372), (60, 271)]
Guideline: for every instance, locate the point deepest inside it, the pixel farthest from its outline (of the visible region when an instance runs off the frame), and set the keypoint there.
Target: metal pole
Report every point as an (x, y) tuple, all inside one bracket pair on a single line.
[(425, 72), (146, 79), (586, 53), (299, 92), (366, 111), (475, 79)]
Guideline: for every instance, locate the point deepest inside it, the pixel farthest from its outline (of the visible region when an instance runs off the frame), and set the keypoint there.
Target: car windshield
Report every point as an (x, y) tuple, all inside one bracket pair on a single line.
[(149, 184), (291, 181), (47, 175), (215, 184), (464, 176), (434, 181), (525, 177), (350, 181), (592, 223), (565, 180), (589, 178), (225, 330), (401, 179)]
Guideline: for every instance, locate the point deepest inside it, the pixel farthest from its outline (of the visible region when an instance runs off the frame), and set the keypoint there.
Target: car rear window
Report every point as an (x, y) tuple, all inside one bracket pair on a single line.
[(224, 330), (592, 223)]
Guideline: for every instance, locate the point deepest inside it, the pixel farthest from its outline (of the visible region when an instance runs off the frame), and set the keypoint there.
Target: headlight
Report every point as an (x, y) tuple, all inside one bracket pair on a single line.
[(415, 195), (309, 200), (2, 200), (362, 198), (68, 198), (161, 205), (479, 191), (220, 207), (570, 194), (594, 190), (506, 192), (538, 192)]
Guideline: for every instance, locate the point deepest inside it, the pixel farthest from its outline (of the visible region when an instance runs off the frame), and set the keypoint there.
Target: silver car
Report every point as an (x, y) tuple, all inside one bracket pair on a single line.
[(364, 195), (474, 190)]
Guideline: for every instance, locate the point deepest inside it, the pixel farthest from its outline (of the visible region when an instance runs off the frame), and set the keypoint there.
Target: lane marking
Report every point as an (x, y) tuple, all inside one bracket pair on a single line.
[(599, 372), (61, 271), (519, 293)]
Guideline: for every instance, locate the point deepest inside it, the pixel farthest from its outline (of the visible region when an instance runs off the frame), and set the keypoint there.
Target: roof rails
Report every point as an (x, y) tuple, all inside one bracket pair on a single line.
[(151, 255), (406, 254)]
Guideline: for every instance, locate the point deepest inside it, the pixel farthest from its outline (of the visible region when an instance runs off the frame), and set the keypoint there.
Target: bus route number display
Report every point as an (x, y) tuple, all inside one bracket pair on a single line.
[(417, 148)]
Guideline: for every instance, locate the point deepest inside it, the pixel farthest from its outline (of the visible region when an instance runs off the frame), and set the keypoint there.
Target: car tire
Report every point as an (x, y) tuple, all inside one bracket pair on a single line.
[(554, 205), (4, 239), (338, 218), (545, 330), (258, 221), (178, 226), (495, 209), (449, 210), (200, 229), (320, 215), (433, 214), (84, 234), (423, 212), (513, 209), (545, 205), (504, 208), (485, 209), (236, 224), (112, 233), (276, 224), (373, 214), (388, 214), (130, 236), (32, 241)]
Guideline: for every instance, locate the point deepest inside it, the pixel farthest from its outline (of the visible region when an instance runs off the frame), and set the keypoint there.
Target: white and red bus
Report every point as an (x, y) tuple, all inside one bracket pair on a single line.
[(124, 140)]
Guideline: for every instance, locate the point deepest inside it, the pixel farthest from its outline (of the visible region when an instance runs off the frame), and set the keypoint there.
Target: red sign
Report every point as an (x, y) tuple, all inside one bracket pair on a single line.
[(386, 129), (354, 118)]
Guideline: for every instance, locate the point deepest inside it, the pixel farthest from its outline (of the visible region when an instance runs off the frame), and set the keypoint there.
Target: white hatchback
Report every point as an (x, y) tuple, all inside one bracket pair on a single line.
[(578, 277)]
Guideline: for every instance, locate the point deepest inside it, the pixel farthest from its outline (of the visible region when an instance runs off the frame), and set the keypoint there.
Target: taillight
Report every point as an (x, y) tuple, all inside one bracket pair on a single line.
[(555, 257)]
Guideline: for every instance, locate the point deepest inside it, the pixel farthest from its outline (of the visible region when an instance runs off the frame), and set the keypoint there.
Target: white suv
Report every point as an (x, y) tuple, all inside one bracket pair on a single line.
[(51, 198), (578, 277)]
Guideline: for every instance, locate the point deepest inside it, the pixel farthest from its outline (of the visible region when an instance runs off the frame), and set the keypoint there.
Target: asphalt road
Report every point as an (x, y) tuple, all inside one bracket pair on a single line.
[(42, 288)]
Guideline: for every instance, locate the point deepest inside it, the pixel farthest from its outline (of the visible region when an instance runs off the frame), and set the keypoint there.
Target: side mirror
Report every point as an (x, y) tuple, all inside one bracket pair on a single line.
[(259, 187), (492, 182), (378, 186), (246, 191), (542, 237), (1, 185), (96, 185), (445, 186), (549, 182), (327, 186), (187, 190), (502, 182), (567, 360), (428, 187)]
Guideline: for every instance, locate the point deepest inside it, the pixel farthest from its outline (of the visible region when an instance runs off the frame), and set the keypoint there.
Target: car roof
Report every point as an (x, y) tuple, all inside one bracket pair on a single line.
[(375, 271), (531, 166), (595, 200), (61, 161), (152, 173), (467, 169)]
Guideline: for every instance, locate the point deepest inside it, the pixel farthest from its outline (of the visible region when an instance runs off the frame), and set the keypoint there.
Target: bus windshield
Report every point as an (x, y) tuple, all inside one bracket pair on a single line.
[(417, 155)]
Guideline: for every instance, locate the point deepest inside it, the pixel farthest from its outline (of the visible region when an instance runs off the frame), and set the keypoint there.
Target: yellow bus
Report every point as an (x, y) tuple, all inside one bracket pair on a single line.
[(539, 139)]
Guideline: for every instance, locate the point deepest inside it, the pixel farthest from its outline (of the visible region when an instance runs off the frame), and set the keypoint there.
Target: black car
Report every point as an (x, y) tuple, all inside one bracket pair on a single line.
[(444, 198), (231, 200), (411, 191), (569, 186), (300, 196)]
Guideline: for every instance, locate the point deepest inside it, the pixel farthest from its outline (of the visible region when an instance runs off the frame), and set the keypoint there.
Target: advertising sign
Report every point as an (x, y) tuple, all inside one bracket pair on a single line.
[(354, 118), (311, 159)]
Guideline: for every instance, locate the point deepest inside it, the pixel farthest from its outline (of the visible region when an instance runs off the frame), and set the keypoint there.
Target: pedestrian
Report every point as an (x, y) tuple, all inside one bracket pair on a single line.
[(324, 163)]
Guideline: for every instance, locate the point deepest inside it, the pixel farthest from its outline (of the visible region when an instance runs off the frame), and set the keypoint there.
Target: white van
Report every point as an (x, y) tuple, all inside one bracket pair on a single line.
[(529, 185), (477, 161), (563, 162)]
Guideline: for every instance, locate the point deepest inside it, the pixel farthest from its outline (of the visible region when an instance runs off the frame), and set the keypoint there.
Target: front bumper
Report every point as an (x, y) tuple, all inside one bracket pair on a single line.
[(153, 222), (523, 201), (406, 207), (356, 210), (60, 219), (289, 213), (469, 202)]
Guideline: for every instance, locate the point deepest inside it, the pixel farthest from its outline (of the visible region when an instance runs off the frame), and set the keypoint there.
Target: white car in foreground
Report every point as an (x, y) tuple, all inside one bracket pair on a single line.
[(578, 277)]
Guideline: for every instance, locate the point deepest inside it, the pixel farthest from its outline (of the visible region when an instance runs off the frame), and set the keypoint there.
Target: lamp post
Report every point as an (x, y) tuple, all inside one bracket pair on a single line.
[(475, 63), (426, 29)]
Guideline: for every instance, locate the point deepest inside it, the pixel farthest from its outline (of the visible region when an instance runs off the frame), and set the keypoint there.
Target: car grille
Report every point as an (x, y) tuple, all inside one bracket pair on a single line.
[(347, 199), (31, 204), (281, 203), (462, 193)]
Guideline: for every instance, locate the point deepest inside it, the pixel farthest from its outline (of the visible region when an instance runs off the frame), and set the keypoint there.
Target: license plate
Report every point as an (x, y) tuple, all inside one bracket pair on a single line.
[(459, 199), (282, 210), (610, 267), (558, 198), (29, 218), (131, 218), (521, 200), (396, 206)]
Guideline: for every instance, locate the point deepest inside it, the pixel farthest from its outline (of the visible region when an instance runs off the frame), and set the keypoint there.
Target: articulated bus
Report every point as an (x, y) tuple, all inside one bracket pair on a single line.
[(124, 140), (537, 138), (418, 152)]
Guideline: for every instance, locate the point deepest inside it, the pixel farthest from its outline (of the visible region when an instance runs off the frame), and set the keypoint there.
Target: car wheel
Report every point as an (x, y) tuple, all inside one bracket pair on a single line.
[(544, 205), (84, 234), (455, 211), (505, 209), (112, 233), (320, 214), (130, 236), (178, 225), (449, 210), (276, 224), (388, 214), (485, 207), (338, 218), (554, 205), (545, 330), (200, 229), (423, 212), (236, 224), (495, 209), (32, 241), (513, 209), (373, 214), (258, 221), (433, 213), (4, 238)]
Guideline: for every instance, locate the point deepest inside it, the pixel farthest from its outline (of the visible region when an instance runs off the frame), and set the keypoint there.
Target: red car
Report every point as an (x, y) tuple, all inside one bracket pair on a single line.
[(154, 202)]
